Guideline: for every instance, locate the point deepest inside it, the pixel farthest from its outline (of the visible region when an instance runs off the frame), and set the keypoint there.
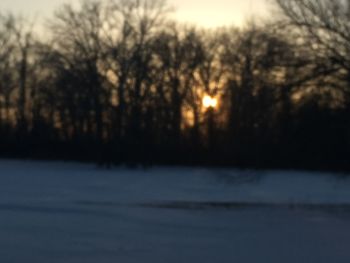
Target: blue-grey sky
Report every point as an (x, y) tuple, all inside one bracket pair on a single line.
[(207, 13)]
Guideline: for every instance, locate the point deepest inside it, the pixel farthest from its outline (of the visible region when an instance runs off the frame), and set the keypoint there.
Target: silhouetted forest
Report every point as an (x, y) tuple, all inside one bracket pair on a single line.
[(120, 82)]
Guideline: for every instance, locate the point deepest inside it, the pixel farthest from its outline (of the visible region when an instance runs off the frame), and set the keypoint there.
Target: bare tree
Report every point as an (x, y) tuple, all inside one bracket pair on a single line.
[(7, 64), (132, 26), (257, 61), (324, 28), (77, 34), (24, 39), (180, 52), (211, 78)]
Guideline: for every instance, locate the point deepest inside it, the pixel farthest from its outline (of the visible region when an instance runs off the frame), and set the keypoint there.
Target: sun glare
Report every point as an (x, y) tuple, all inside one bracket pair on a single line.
[(209, 102)]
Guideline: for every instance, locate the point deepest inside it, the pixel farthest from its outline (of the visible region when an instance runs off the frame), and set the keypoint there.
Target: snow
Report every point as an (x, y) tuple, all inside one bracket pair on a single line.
[(70, 212)]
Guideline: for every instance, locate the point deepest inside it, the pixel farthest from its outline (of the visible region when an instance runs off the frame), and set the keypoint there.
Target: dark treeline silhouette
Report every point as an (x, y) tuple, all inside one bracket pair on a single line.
[(119, 82)]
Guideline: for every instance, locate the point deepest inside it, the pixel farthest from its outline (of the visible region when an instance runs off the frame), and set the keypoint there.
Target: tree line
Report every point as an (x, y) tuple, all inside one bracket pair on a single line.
[(120, 82)]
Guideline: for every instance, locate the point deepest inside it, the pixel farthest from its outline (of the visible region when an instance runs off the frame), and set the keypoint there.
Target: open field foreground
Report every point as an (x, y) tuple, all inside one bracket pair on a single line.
[(71, 213)]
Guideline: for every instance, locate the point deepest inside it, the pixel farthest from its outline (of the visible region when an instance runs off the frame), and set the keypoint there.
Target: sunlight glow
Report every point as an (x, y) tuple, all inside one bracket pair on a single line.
[(210, 102), (207, 14)]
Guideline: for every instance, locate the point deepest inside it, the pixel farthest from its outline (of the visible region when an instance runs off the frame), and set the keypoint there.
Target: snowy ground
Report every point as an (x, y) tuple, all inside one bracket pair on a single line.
[(72, 213)]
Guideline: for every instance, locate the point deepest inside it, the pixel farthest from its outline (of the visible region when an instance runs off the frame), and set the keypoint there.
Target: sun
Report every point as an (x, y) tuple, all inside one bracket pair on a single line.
[(210, 102)]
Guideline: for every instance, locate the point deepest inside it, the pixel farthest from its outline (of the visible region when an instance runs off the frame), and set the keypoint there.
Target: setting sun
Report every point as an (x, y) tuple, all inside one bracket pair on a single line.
[(209, 102)]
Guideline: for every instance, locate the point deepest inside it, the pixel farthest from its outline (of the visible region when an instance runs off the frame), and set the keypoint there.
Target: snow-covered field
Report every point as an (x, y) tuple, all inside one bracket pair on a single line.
[(71, 213)]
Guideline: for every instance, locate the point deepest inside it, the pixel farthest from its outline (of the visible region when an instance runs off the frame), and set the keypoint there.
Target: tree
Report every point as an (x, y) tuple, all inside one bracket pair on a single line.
[(179, 54), (25, 39), (7, 63), (133, 26), (257, 63), (211, 78), (77, 34), (324, 28)]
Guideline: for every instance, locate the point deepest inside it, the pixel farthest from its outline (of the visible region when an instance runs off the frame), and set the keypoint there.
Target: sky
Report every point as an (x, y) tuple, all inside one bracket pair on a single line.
[(206, 13)]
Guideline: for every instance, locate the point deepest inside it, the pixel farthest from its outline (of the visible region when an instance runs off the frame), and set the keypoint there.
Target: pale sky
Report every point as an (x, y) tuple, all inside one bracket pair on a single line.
[(207, 13)]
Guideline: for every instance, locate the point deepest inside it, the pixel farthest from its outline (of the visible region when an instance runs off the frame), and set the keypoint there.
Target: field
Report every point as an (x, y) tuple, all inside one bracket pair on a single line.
[(70, 212)]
